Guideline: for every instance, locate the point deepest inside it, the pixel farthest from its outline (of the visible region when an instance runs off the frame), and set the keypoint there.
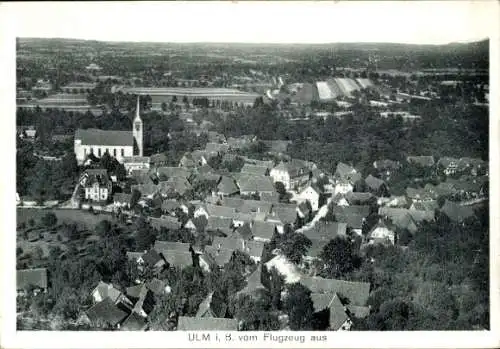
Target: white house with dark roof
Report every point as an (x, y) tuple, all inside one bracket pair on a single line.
[(119, 144)]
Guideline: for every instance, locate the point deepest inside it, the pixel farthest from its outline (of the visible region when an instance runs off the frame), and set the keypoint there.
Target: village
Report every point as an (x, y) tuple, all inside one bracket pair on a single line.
[(159, 213)]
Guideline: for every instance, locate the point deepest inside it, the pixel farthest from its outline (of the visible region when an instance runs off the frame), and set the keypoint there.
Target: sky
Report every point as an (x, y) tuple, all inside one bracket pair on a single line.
[(431, 22)]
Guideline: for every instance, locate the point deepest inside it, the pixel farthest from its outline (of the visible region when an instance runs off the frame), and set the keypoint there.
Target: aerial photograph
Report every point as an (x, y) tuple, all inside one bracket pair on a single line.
[(172, 185)]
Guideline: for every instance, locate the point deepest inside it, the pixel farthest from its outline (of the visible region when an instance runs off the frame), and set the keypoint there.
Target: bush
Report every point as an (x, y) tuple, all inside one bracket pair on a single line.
[(19, 251), (31, 222), (49, 219)]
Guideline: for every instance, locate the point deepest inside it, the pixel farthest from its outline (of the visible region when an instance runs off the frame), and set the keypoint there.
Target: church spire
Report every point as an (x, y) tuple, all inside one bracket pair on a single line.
[(137, 109)]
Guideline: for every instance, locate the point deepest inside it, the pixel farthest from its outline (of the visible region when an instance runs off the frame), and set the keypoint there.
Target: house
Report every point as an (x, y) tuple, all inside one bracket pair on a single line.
[(194, 159), (312, 194), (304, 210), (165, 173), (284, 213), (429, 205), (382, 232), (136, 163), (416, 215), (386, 165), (263, 231), (254, 284), (227, 187), (142, 298), (209, 210), (330, 313), (253, 248), (270, 197), (106, 312), (448, 165), (277, 147), (255, 170), (178, 259), (247, 206), (217, 225), (400, 217), (421, 194), (217, 255), (269, 164), (104, 290), (32, 278), (141, 176), (170, 207), (96, 185), (253, 184), (215, 137), (159, 159), (344, 172), (242, 232), (287, 269), (423, 161), (153, 260), (165, 246), (216, 148), (476, 166), (167, 222), (376, 186), (321, 234), (158, 287), (356, 293), (212, 308), (122, 200), (456, 212), (134, 322), (291, 174), (353, 216), (240, 142), (185, 323), (393, 201), (356, 198)]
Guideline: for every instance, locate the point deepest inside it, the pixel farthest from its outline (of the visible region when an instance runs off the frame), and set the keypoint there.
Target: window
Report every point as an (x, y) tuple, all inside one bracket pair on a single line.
[(123, 151), (114, 153), (91, 150), (107, 151), (99, 152), (84, 151)]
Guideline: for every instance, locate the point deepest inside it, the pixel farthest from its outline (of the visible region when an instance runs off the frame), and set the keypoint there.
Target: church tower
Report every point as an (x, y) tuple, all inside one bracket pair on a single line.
[(137, 129)]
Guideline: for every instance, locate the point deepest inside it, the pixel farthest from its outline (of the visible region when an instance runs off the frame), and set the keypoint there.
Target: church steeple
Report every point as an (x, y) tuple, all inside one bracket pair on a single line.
[(137, 129)]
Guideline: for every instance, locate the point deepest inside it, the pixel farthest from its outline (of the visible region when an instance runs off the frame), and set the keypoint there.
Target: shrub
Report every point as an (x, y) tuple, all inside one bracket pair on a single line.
[(49, 219)]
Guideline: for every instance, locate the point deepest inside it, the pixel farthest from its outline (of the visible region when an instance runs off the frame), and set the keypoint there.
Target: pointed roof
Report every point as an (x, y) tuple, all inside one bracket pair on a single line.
[(137, 111), (338, 315), (374, 183), (254, 282)]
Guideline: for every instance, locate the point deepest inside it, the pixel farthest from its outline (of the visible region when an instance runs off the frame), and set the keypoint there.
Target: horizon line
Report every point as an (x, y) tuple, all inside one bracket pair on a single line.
[(471, 41)]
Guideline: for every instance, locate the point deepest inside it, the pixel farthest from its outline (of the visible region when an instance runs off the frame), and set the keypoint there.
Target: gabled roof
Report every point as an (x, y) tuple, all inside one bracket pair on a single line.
[(386, 164), (216, 148), (186, 323), (227, 186), (170, 205), (219, 211), (263, 230), (135, 159), (254, 169), (166, 172), (277, 146), (269, 164), (293, 168), (358, 311), (243, 232), (456, 212), (353, 197), (171, 246), (134, 256), (135, 291), (151, 257), (222, 224), (421, 193), (106, 290), (140, 175), (221, 256), (338, 315), (323, 230), (356, 292), (255, 183), (446, 161), (374, 183), (233, 202), (122, 198), (426, 161), (178, 259), (107, 312), (400, 217), (35, 277), (416, 215), (254, 282), (210, 308), (429, 205), (270, 197), (252, 248), (134, 322), (94, 136), (167, 222), (286, 213), (345, 171), (156, 286)]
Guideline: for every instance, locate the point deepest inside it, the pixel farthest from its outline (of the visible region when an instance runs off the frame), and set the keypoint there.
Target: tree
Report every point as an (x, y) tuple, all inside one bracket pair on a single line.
[(49, 219), (299, 307), (40, 184), (103, 228), (69, 165), (293, 245), (134, 199), (145, 234), (339, 257), (255, 313)]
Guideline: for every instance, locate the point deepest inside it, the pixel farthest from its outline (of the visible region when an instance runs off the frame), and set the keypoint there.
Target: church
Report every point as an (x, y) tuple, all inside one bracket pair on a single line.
[(119, 144)]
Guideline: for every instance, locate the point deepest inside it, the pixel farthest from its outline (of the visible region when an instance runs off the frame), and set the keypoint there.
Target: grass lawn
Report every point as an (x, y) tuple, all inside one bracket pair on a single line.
[(82, 218)]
